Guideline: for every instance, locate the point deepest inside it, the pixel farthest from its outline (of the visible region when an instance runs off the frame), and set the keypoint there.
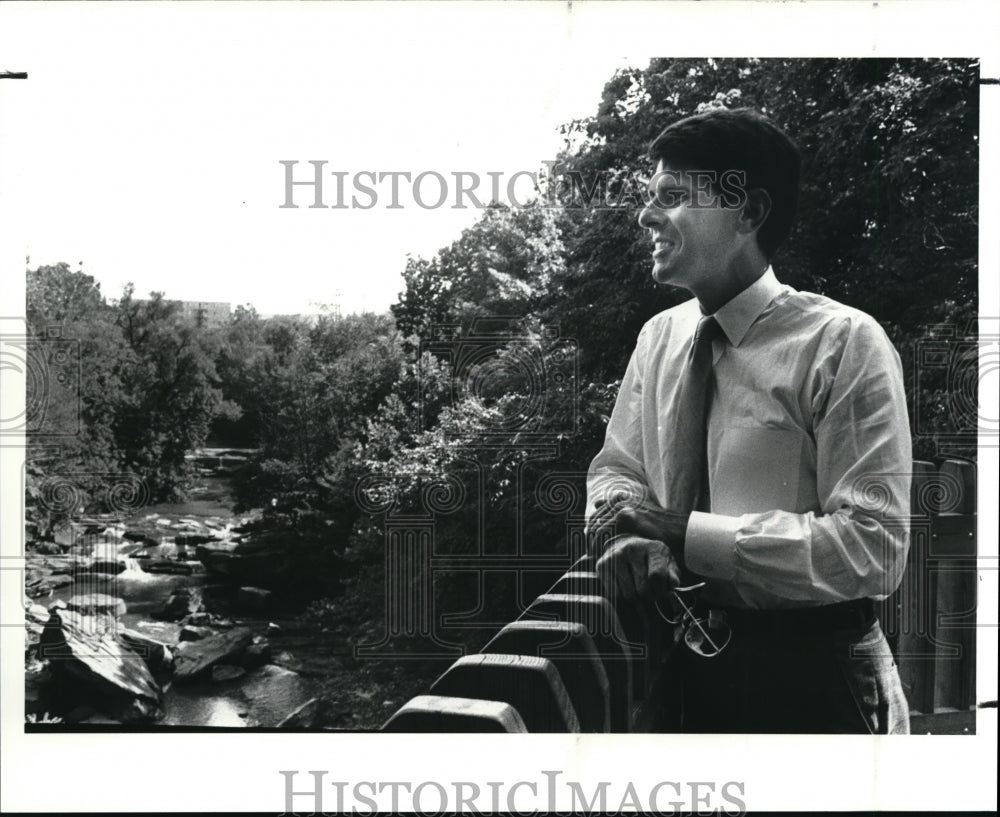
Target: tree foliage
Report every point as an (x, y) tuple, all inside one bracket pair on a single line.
[(502, 265), (170, 390), (888, 211), (307, 390), (126, 387)]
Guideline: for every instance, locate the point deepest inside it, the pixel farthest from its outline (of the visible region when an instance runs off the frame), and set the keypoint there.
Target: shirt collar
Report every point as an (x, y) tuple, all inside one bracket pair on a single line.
[(738, 315)]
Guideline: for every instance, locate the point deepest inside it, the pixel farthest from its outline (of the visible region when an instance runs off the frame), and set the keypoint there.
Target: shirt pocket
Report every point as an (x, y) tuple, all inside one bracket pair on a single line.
[(757, 469)]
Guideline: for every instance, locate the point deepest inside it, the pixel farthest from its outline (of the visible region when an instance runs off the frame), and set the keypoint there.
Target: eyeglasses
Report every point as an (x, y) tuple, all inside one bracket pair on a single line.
[(705, 636)]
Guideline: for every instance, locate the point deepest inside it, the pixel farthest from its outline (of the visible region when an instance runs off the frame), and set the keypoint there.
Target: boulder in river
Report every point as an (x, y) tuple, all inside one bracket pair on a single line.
[(97, 604), (260, 561), (113, 533), (192, 633), (39, 583), (182, 602), (97, 666), (203, 619), (156, 654), (47, 548), (226, 672), (196, 658), (140, 538), (165, 550), (257, 654), (170, 566), (277, 558), (217, 556), (166, 632), (193, 539), (129, 550), (68, 533), (62, 564), (255, 599)]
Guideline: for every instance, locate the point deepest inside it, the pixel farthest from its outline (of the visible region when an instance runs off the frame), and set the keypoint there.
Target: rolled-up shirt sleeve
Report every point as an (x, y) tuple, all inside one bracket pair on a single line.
[(855, 544)]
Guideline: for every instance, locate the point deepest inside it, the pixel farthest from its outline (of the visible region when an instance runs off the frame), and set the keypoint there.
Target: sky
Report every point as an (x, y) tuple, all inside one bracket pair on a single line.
[(147, 141)]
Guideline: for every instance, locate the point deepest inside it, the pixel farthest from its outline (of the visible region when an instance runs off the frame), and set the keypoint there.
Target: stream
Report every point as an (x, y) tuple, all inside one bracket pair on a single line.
[(263, 696)]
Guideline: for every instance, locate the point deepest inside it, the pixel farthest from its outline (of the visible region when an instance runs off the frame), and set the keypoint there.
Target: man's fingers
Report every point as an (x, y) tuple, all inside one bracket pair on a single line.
[(664, 572), (638, 569), (636, 559), (609, 520), (607, 574), (599, 533), (615, 570)]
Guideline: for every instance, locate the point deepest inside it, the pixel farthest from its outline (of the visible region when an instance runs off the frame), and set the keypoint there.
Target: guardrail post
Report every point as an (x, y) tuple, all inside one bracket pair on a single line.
[(531, 685), (572, 650)]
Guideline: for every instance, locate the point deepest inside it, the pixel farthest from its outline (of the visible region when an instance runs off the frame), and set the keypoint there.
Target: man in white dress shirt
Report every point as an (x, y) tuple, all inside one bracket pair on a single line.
[(787, 493)]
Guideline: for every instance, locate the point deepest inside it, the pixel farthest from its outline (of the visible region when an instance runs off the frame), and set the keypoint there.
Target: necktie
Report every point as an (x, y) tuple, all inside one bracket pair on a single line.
[(689, 469)]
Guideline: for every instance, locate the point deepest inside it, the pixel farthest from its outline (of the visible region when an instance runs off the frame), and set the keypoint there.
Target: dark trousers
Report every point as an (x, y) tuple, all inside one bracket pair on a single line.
[(840, 681)]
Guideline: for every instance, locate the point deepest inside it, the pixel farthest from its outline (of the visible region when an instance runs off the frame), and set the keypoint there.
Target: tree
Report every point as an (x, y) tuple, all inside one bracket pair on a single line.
[(171, 392), (75, 361), (119, 389), (313, 386), (241, 345), (500, 266)]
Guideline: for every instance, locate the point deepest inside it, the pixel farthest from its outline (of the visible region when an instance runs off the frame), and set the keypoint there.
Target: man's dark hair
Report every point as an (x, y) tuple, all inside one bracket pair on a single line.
[(741, 139)]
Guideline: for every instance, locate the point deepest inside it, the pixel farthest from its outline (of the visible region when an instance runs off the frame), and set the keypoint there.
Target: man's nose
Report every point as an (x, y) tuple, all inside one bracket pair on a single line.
[(648, 216)]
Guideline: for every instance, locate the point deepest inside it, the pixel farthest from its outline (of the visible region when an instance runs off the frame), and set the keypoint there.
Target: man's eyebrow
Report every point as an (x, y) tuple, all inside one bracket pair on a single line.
[(661, 180), (666, 179)]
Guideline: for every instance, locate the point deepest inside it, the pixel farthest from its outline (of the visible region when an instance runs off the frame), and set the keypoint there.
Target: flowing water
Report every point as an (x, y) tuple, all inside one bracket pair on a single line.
[(264, 696)]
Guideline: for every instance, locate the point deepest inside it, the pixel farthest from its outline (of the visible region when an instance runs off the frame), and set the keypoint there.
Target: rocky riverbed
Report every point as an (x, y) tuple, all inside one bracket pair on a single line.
[(175, 616), (125, 624)]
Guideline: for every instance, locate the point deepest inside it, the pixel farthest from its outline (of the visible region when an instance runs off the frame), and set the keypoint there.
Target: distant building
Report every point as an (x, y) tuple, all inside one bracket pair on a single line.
[(205, 314)]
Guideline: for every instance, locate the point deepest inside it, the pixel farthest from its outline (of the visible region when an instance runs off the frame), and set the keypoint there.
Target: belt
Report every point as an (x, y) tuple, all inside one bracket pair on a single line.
[(859, 614)]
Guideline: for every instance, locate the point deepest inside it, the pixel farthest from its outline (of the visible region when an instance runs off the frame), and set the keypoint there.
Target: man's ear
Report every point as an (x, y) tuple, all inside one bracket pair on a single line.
[(755, 210)]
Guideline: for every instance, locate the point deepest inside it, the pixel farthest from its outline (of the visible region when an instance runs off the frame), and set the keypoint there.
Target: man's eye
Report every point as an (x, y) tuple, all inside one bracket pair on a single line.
[(668, 198)]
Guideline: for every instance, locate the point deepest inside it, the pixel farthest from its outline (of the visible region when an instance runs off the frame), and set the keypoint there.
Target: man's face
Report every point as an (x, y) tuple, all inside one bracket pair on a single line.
[(693, 229)]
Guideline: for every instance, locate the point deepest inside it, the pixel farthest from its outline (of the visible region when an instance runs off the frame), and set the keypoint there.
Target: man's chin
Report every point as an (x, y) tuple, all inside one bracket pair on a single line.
[(668, 277), (662, 274)]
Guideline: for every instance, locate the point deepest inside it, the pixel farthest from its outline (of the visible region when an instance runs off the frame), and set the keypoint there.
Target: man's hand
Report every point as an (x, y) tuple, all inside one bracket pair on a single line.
[(645, 520), (638, 570)]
